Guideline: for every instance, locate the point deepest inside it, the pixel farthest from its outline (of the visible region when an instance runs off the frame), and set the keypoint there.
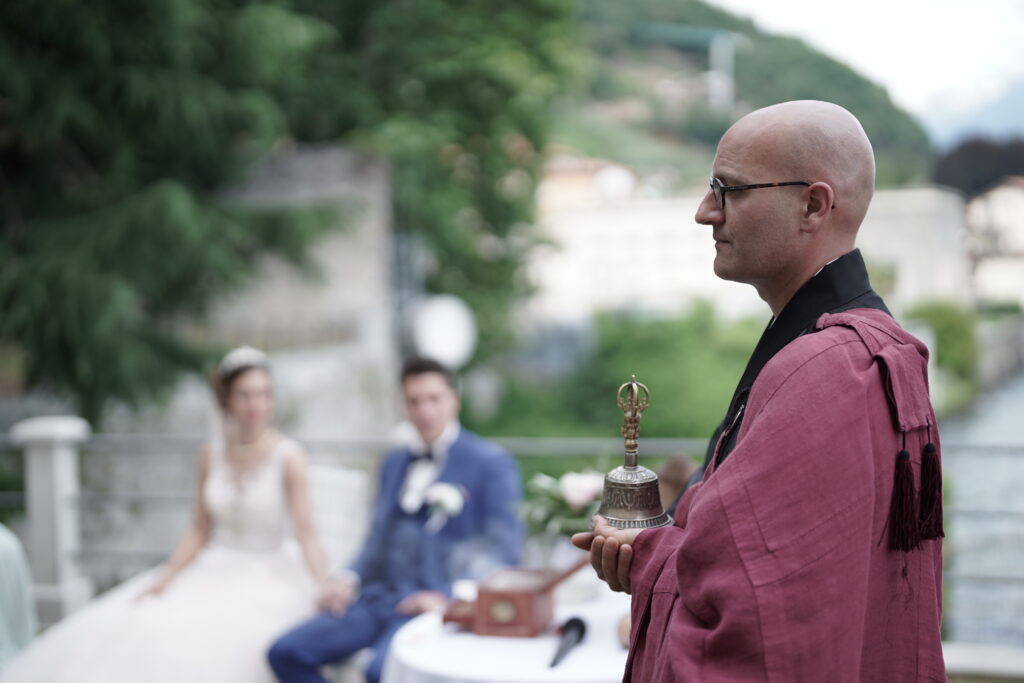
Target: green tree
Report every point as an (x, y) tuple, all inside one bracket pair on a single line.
[(690, 363), (955, 337), (455, 96), (777, 69), (977, 164), (117, 125), (955, 350)]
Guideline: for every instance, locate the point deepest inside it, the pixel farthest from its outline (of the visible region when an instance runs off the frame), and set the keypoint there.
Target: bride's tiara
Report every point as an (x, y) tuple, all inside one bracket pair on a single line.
[(242, 357)]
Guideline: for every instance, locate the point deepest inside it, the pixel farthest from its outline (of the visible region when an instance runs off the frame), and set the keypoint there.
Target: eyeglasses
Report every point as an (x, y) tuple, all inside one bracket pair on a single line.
[(719, 189)]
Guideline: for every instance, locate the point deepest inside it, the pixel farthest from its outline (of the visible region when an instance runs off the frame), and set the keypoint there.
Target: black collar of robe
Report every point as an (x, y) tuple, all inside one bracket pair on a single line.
[(840, 286)]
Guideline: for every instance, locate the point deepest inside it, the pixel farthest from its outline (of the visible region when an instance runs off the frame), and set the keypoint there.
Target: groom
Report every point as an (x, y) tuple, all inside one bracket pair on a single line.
[(417, 546)]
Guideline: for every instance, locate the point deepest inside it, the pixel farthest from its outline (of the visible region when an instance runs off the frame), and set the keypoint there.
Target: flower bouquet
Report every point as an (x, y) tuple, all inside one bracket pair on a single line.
[(563, 506)]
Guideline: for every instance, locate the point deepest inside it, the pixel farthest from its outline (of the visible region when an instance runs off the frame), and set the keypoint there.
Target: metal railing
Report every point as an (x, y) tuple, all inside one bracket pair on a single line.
[(158, 486), (984, 576), (136, 491)]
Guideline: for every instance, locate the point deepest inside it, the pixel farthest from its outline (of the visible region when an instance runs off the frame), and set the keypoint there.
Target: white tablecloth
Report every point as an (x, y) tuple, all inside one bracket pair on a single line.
[(427, 651)]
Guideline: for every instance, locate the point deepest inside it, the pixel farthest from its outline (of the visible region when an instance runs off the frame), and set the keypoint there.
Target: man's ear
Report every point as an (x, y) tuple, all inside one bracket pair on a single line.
[(820, 203)]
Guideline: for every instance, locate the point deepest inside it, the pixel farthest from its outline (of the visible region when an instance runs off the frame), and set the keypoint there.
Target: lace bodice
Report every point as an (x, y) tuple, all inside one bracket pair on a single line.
[(249, 512)]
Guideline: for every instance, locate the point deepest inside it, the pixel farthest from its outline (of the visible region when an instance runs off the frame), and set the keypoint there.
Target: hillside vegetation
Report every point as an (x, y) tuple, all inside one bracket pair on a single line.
[(644, 102)]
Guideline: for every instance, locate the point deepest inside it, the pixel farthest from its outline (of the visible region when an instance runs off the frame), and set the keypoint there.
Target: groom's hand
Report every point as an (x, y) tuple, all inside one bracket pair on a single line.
[(420, 602), (335, 595)]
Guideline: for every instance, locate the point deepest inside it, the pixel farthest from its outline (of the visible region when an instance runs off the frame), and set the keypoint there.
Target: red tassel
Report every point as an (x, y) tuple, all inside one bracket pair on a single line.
[(930, 512), (903, 529)]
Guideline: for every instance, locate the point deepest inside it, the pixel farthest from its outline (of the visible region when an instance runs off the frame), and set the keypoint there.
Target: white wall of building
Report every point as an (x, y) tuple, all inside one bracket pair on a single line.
[(330, 337), (921, 234), (1000, 279), (611, 251), (1000, 213), (645, 254), (996, 219)]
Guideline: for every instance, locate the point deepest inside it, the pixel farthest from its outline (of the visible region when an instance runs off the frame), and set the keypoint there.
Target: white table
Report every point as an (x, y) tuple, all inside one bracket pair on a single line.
[(427, 651)]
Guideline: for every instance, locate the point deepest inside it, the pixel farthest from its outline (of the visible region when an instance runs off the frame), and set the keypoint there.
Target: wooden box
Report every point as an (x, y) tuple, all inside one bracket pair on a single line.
[(515, 602), (512, 602)]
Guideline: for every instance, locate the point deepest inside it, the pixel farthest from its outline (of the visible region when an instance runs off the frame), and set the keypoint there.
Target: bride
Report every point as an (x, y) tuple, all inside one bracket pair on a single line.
[(236, 579)]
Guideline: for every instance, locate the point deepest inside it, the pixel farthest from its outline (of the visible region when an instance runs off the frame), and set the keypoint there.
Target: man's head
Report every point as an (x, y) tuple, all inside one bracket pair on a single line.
[(776, 238), (431, 401)]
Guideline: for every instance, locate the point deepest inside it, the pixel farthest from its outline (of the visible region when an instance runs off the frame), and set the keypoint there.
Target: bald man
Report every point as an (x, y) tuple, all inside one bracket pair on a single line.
[(810, 550)]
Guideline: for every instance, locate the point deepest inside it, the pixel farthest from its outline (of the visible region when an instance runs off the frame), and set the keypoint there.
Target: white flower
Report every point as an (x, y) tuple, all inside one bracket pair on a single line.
[(446, 497), (543, 482), (579, 489)]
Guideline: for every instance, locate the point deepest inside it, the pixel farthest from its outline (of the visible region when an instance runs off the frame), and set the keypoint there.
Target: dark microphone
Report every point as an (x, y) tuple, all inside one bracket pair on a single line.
[(573, 631)]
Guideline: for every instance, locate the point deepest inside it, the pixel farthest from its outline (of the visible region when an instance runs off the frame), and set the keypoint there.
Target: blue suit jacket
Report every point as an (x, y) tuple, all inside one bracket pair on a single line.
[(486, 535)]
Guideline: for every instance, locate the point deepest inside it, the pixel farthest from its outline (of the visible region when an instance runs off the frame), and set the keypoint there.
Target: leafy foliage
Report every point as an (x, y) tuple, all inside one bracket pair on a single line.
[(690, 365), (120, 123), (116, 125), (778, 69), (768, 70), (955, 339), (564, 505), (705, 124), (977, 163), (455, 96), (12, 477), (955, 351)]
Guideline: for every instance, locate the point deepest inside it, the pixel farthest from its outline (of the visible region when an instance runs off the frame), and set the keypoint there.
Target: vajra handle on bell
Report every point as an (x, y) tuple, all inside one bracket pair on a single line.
[(632, 399)]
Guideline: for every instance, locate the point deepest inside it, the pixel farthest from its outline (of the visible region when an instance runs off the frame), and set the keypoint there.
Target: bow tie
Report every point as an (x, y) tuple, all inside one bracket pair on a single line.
[(426, 455)]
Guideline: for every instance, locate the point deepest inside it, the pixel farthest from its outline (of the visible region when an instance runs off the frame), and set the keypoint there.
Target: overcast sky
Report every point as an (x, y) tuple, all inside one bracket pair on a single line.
[(937, 58)]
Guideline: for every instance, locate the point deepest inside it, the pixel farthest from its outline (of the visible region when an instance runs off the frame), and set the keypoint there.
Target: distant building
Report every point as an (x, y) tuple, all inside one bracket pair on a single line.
[(996, 220), (915, 241), (614, 248)]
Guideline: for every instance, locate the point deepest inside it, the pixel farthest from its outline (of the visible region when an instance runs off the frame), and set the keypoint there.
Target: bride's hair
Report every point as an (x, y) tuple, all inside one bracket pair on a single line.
[(234, 365)]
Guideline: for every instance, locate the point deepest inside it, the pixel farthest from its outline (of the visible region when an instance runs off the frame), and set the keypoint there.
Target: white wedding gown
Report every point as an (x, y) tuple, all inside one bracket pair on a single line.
[(216, 619)]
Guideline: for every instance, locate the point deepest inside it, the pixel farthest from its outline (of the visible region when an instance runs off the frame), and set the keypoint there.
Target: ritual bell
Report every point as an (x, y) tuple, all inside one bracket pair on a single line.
[(630, 499)]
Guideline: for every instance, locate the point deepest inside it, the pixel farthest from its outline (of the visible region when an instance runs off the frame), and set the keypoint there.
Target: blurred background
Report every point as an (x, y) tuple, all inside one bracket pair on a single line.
[(346, 183)]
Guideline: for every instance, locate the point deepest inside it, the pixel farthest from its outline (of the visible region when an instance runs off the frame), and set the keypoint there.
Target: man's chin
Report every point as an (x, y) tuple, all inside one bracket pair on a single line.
[(430, 435), (723, 271)]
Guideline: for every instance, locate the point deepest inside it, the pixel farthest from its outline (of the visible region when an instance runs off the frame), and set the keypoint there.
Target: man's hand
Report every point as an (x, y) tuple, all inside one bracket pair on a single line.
[(611, 552), (420, 602), (335, 595)]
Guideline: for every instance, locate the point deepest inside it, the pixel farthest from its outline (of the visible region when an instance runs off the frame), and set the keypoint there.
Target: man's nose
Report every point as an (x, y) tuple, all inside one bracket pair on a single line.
[(709, 212)]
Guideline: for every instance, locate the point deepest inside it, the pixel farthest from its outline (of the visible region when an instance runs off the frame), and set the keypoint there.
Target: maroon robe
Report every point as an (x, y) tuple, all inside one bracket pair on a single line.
[(777, 567)]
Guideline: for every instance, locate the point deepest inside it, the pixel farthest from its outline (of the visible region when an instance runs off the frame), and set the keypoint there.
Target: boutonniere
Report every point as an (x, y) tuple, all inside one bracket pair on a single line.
[(443, 501)]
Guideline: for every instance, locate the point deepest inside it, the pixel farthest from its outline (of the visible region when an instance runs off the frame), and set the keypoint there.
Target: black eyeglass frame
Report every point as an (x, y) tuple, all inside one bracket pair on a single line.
[(719, 190)]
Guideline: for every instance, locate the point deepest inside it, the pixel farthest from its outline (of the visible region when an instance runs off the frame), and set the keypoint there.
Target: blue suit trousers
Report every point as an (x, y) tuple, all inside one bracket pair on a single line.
[(297, 656)]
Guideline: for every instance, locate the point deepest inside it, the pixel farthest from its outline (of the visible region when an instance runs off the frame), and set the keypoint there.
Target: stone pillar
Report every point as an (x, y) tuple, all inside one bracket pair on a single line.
[(54, 528), (721, 83)]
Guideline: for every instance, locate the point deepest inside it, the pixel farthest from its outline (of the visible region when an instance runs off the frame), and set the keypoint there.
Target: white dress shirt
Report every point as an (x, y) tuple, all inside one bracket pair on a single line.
[(423, 472)]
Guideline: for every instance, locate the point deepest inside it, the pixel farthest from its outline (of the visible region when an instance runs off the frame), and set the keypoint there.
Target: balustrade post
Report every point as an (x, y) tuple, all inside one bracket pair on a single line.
[(51, 498)]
